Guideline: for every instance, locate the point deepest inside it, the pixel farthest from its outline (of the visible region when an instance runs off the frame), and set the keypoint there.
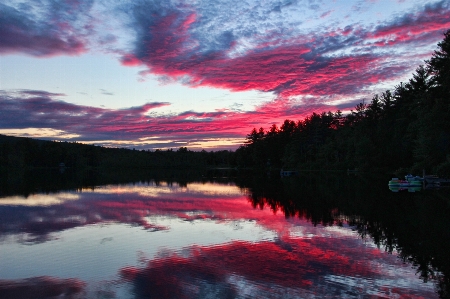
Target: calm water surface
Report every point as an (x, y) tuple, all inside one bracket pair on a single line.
[(194, 240)]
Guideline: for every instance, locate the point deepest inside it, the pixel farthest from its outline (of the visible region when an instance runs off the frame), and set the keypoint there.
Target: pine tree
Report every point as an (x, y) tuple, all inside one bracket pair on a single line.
[(433, 140), (439, 66)]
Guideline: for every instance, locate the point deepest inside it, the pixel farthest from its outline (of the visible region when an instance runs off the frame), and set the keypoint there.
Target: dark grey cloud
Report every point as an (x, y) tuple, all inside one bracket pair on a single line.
[(39, 109), (44, 28), (40, 93)]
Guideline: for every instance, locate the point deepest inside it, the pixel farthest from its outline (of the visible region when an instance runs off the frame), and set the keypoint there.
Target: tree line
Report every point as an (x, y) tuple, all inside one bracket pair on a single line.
[(407, 128), (20, 152)]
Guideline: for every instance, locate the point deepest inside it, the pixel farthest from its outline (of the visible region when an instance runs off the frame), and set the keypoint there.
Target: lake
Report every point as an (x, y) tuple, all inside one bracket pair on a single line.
[(219, 236)]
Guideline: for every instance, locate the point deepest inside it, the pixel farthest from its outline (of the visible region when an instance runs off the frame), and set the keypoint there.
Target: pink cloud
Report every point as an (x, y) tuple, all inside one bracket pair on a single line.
[(299, 264), (288, 70), (300, 65), (130, 60), (421, 26), (41, 109)]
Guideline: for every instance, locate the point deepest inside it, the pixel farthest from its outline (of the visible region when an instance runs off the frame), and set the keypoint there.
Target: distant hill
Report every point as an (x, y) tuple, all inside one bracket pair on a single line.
[(33, 153)]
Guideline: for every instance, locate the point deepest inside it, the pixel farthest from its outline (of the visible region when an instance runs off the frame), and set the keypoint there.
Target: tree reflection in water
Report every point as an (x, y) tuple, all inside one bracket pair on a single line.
[(416, 225)]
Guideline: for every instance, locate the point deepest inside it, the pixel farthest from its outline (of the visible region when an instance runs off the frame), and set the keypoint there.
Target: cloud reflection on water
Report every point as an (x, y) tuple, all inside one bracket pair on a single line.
[(283, 268), (131, 204), (299, 260)]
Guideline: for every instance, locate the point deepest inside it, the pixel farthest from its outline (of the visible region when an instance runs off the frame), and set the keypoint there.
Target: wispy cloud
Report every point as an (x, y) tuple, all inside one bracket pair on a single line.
[(326, 14), (105, 92)]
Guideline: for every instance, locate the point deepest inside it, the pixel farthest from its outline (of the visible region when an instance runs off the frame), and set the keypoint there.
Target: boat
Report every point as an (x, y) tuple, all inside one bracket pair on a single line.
[(411, 184), (414, 183), (396, 182)]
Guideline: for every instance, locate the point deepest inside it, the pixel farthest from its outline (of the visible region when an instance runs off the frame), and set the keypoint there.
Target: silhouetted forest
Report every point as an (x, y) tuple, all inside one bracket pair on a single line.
[(407, 129), (19, 152)]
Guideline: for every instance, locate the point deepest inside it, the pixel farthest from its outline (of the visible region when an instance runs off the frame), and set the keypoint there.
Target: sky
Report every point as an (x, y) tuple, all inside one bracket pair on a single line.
[(200, 74)]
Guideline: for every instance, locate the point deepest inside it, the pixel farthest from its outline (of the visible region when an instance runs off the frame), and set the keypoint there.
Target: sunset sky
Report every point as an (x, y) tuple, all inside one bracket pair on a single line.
[(164, 74)]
